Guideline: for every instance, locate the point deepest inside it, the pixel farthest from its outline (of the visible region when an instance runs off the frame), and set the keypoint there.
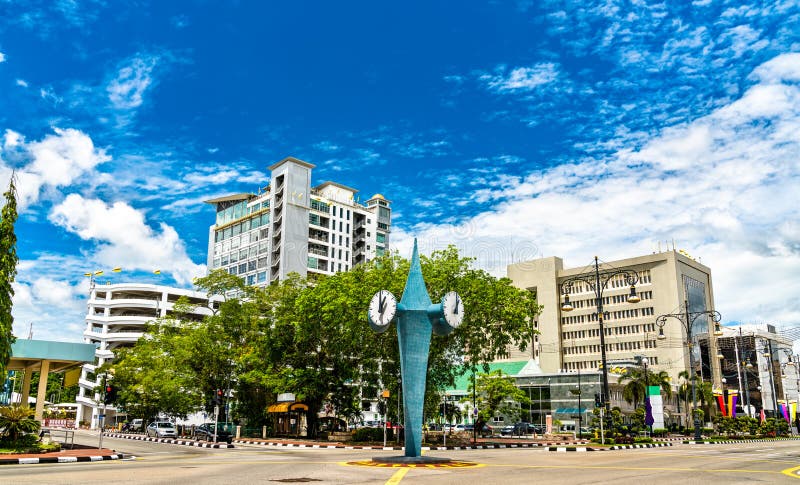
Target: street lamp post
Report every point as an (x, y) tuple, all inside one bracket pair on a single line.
[(598, 282), (744, 372), (767, 345), (687, 318)]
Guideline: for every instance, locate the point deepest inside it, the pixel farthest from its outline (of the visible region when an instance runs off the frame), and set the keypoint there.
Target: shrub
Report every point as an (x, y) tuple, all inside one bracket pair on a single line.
[(369, 434), (624, 440), (17, 420), (660, 432)]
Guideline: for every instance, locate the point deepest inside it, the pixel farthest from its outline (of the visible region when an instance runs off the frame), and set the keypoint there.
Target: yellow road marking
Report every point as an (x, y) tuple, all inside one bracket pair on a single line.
[(398, 475), (792, 472)]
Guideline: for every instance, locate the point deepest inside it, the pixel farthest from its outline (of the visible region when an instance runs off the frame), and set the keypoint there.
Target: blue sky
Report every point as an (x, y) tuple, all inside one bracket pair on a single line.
[(514, 130)]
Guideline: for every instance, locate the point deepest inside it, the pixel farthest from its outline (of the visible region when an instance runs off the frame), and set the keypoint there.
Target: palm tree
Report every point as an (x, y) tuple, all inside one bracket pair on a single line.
[(16, 419), (635, 390), (685, 392)]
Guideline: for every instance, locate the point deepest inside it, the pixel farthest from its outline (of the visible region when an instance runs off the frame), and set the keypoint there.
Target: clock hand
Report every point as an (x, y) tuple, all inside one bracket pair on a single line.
[(458, 300), (381, 303)]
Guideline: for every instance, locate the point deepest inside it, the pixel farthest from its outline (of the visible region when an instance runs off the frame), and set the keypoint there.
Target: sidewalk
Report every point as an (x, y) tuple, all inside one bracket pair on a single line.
[(64, 456)]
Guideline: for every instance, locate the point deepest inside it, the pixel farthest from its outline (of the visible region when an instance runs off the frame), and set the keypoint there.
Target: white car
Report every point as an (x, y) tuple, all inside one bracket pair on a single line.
[(161, 429)]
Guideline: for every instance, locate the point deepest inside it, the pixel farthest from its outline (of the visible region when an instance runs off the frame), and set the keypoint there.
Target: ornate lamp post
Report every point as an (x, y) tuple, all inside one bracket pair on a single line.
[(767, 353), (688, 318), (598, 282)]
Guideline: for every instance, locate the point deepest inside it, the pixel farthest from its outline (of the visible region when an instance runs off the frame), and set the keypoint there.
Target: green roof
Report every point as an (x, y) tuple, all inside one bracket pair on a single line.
[(510, 368)]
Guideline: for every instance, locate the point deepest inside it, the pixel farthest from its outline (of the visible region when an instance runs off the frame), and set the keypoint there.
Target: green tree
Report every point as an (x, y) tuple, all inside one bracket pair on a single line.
[(16, 420), (150, 378), (497, 394), (8, 272)]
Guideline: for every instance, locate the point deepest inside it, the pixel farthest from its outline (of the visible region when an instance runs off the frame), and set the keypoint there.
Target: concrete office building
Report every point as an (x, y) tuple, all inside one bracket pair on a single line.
[(571, 340), (117, 316), (291, 227)]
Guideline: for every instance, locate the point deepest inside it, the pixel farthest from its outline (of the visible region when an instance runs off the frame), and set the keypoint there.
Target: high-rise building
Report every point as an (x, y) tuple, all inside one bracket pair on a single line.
[(571, 340), (290, 226), (117, 316)]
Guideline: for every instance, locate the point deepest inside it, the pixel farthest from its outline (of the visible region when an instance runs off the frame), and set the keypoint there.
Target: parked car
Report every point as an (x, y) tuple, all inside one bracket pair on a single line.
[(161, 429), (134, 425), (205, 432), (517, 429)]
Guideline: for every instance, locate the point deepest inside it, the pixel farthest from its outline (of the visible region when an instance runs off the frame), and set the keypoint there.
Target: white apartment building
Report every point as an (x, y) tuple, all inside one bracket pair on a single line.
[(571, 340), (117, 316), (290, 226)]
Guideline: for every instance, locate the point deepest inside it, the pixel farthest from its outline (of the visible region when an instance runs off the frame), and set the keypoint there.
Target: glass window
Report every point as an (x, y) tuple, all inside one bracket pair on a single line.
[(261, 277), (242, 268), (380, 237)]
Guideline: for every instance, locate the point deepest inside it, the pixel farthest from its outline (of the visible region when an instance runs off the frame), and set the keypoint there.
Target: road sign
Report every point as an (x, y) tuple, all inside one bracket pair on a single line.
[(101, 416)]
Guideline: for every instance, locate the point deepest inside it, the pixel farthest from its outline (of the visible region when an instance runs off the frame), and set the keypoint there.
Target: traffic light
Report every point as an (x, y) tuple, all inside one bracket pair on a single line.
[(109, 394), (597, 401), (217, 398)]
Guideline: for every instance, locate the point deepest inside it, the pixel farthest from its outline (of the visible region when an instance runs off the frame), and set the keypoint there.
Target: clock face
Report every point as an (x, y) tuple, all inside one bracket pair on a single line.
[(453, 309), (382, 308)]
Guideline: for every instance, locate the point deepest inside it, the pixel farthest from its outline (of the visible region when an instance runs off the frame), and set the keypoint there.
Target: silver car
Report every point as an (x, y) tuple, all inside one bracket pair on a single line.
[(161, 429)]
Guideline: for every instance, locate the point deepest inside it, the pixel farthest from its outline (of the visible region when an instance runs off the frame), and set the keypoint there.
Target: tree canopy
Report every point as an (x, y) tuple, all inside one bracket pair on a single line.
[(310, 337)]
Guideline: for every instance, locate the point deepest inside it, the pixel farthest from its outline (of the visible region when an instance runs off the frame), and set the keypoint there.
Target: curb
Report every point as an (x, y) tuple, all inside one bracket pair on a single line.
[(493, 446), (59, 459), (727, 442), (564, 449), (170, 441), (641, 445)]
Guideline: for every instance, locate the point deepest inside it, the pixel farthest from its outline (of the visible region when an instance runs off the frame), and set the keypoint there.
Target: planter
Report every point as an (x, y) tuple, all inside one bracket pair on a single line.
[(340, 436)]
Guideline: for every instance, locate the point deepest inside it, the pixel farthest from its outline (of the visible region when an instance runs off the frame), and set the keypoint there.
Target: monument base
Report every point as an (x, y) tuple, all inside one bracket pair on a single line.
[(411, 460)]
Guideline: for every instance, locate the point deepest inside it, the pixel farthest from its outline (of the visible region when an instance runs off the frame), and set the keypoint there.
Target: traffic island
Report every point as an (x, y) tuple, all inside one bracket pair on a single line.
[(64, 456), (411, 460)]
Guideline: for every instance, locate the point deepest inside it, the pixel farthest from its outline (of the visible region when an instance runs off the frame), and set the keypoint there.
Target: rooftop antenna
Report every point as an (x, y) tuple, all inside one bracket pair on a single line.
[(30, 331)]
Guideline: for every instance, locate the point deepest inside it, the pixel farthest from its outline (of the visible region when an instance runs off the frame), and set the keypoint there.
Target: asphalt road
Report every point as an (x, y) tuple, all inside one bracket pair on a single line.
[(176, 464)]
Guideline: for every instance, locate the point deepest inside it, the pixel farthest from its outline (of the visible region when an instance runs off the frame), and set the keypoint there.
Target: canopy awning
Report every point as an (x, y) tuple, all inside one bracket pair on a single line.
[(285, 407)]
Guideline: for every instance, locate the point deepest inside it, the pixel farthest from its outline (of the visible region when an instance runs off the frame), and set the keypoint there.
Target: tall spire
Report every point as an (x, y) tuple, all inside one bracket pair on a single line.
[(415, 294)]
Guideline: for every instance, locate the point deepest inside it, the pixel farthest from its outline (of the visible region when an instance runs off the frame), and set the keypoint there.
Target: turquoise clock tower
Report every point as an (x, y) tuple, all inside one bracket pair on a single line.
[(417, 317)]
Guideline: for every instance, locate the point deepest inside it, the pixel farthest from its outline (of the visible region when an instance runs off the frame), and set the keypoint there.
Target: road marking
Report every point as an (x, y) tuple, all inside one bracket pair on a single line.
[(792, 472), (398, 475)]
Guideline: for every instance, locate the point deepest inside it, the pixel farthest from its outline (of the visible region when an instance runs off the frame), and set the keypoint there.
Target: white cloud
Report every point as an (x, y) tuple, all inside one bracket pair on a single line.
[(521, 78), (56, 161), (724, 186), (22, 83), (124, 237), (126, 90), (2, 57)]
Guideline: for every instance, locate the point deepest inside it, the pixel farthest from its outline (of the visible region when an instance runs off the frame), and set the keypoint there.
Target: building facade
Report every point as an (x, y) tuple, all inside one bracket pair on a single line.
[(117, 317), (569, 341), (290, 226), (758, 364)]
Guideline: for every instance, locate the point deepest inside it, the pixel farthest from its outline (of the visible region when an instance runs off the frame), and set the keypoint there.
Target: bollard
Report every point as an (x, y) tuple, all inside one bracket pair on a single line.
[(263, 432), (238, 432)]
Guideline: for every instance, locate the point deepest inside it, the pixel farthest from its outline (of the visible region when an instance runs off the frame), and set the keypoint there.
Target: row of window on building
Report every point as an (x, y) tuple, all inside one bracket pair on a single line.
[(609, 330), (618, 281), (609, 300)]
